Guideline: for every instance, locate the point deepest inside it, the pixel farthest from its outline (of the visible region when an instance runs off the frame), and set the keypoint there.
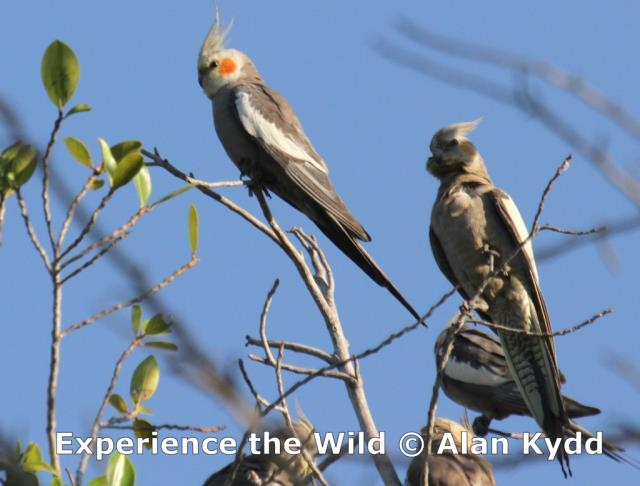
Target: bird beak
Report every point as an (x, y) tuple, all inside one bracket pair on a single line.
[(431, 164)]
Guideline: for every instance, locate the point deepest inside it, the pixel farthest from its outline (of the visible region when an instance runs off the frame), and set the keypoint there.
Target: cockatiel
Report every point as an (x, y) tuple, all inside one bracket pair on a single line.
[(264, 138), (449, 469), (475, 227), (274, 468), (477, 377)]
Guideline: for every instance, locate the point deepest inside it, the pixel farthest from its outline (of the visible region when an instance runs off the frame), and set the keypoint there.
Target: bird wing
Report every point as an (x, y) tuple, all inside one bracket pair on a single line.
[(512, 220), (273, 125)]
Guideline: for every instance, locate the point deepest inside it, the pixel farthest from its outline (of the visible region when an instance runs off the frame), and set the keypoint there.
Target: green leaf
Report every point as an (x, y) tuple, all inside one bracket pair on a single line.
[(127, 169), (120, 471), (144, 380), (32, 460), (23, 164), (136, 316), (78, 151), (99, 481), (97, 184), (171, 195), (143, 430), (144, 409), (118, 402), (108, 160), (122, 149), (55, 481), (60, 72), (79, 108), (142, 181), (168, 345), (156, 326), (193, 229)]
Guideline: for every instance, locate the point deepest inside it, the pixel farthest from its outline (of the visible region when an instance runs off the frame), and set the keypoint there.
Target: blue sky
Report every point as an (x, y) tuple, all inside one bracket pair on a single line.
[(371, 121)]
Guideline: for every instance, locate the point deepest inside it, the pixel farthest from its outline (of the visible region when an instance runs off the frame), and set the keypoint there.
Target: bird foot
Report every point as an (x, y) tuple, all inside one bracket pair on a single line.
[(481, 425)]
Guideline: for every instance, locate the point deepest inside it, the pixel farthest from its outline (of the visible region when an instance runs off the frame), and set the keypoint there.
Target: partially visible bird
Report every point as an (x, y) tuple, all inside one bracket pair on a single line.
[(274, 468), (477, 377), (475, 228), (264, 138), (449, 469)]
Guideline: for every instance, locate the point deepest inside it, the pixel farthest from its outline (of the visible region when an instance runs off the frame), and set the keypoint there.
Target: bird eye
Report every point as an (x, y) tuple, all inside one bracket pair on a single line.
[(213, 64), (454, 142)]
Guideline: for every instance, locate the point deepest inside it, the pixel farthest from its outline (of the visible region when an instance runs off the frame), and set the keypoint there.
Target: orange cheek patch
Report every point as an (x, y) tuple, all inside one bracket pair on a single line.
[(227, 66)]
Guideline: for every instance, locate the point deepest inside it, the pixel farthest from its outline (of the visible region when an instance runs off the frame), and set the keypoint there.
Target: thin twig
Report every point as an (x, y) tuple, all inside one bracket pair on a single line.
[(46, 205), (73, 206), (299, 370), (291, 346), (122, 230), (192, 428), (95, 428), (87, 227), (562, 332), (31, 232), (110, 310), (263, 321), (95, 257)]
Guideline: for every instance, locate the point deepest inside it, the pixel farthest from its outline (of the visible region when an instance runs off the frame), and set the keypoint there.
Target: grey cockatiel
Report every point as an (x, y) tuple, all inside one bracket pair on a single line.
[(477, 377), (449, 469), (264, 138), (274, 469), (474, 228)]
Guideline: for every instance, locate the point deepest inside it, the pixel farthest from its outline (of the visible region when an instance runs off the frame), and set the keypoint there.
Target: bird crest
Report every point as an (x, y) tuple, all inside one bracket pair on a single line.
[(458, 131), (214, 42)]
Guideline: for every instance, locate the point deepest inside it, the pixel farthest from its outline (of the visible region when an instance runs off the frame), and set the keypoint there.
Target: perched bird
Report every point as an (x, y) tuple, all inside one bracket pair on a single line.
[(449, 469), (477, 377), (274, 468), (264, 138), (475, 228)]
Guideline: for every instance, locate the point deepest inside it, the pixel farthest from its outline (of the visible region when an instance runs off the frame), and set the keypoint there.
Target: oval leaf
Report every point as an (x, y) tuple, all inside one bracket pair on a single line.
[(168, 345), (127, 169), (97, 184), (136, 316), (99, 481), (144, 381), (23, 165), (108, 160), (118, 402), (143, 430), (60, 72), (142, 181), (79, 108), (193, 229), (78, 151), (122, 149), (55, 481), (120, 471), (156, 325)]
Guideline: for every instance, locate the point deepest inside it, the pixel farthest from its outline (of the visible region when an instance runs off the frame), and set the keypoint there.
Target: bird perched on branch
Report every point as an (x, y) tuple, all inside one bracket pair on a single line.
[(275, 467), (477, 377), (475, 229), (449, 469), (264, 138)]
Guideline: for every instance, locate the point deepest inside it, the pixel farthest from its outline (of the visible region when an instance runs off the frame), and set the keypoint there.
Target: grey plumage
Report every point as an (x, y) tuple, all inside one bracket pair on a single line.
[(449, 469), (264, 138), (273, 469), (477, 377), (474, 228)]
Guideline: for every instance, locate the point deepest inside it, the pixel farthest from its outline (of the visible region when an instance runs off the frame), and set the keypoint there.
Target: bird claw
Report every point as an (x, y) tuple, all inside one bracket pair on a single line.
[(481, 425)]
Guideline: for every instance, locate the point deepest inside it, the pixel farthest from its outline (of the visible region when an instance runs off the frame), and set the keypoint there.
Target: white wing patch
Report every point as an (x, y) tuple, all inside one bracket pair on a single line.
[(464, 372), (521, 230), (269, 133)]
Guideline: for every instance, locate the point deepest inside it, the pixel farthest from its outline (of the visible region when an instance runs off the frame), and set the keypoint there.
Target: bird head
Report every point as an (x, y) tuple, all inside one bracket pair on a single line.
[(453, 153), (444, 426), (217, 66), (304, 431)]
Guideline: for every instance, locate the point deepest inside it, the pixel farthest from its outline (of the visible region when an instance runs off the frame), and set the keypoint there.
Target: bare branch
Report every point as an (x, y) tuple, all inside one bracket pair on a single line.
[(291, 346), (110, 310), (31, 232), (72, 208), (95, 257), (46, 205)]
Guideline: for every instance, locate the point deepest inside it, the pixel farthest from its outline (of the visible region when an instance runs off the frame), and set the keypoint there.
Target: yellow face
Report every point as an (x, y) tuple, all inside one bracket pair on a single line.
[(219, 69)]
